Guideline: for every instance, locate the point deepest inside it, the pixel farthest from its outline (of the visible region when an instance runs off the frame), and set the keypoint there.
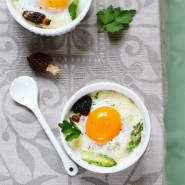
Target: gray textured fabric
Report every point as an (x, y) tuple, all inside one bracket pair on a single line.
[(131, 58)]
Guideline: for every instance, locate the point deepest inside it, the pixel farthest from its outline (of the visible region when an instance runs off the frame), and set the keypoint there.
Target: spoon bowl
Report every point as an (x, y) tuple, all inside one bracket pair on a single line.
[(24, 91)]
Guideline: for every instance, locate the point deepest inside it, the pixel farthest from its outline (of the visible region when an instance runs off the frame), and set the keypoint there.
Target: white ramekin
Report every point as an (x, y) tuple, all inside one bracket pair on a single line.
[(49, 32), (147, 126)]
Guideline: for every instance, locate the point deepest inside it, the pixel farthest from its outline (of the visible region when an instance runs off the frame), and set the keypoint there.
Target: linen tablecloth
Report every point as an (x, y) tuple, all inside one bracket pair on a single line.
[(131, 58)]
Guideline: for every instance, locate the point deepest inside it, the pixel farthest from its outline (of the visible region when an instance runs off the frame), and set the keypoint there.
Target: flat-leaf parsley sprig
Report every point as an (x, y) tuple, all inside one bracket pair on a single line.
[(115, 19), (73, 9), (70, 130)]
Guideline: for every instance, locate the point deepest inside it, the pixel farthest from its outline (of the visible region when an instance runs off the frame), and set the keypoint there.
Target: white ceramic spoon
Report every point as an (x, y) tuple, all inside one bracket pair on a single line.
[(25, 92)]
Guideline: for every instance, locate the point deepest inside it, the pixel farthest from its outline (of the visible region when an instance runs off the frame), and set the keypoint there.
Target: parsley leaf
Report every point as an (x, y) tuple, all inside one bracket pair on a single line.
[(115, 19), (72, 9), (72, 136), (70, 130), (114, 27), (107, 15)]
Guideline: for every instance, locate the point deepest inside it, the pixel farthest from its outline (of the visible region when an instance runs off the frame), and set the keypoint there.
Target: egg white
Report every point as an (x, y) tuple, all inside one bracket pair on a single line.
[(130, 116), (58, 18)]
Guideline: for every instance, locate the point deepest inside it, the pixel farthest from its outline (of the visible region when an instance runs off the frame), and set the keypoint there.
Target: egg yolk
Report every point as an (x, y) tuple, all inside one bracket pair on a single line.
[(103, 124), (53, 4)]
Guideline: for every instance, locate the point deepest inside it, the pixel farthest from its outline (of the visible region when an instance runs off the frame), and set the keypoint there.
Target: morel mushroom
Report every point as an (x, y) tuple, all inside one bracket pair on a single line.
[(43, 63), (36, 17), (83, 105)]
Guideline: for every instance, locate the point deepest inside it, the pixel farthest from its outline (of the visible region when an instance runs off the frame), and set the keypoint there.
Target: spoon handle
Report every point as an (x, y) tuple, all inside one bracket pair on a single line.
[(69, 165)]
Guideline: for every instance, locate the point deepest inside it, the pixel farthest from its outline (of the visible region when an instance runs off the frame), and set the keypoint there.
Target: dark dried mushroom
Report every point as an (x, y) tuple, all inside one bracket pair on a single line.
[(83, 105), (43, 63), (36, 17)]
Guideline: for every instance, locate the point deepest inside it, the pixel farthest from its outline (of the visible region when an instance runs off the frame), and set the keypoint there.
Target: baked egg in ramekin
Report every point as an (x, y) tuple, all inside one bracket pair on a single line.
[(105, 127), (49, 17)]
